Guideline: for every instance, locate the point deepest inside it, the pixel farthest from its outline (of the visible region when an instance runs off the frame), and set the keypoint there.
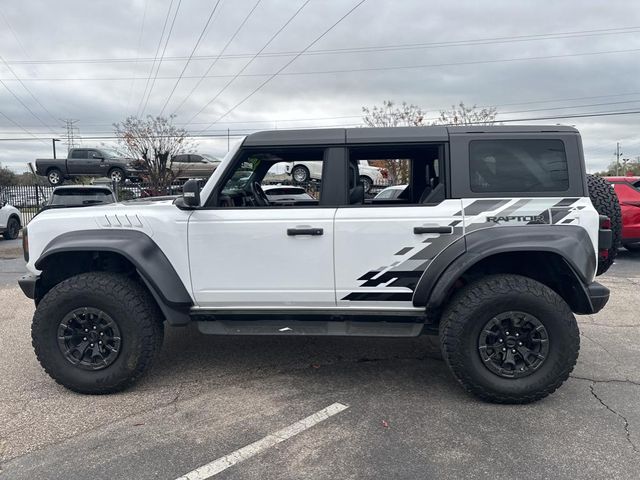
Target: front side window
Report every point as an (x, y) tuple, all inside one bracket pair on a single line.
[(500, 166), (95, 154), (272, 178)]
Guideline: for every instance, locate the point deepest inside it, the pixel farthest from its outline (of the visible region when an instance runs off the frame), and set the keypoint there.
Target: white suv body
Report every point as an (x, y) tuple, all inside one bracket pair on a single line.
[(341, 264), (370, 175)]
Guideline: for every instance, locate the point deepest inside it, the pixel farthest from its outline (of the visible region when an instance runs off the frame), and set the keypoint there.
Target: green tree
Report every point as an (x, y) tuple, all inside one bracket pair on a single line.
[(7, 177)]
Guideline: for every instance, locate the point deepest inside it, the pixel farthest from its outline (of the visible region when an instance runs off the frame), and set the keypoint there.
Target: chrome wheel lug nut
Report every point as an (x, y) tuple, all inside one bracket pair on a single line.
[(506, 333), (504, 349), (517, 334), (513, 350), (91, 344), (500, 340), (520, 343), (84, 338), (101, 333), (86, 329), (94, 327)]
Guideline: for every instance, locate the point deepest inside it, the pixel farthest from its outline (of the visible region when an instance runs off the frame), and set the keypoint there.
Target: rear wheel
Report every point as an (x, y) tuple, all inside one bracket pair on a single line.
[(55, 177), (605, 201), (12, 230), (509, 339), (367, 183), (97, 332), (300, 174)]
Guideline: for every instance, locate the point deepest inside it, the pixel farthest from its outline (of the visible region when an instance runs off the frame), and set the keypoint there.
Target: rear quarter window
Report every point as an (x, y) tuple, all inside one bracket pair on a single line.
[(532, 165)]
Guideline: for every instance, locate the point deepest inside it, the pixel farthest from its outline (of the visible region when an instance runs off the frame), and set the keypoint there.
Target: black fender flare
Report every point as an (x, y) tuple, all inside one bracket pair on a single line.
[(572, 243), (145, 255)]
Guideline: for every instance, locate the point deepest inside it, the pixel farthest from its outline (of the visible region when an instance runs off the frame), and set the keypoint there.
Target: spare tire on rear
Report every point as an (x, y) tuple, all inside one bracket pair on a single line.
[(605, 201)]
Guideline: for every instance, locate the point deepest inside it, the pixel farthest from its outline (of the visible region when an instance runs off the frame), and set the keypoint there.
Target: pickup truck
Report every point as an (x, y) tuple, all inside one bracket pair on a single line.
[(92, 162)]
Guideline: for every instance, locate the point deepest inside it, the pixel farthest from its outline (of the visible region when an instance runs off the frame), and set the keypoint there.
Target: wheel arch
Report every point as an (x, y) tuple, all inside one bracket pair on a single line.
[(17, 217), (561, 257), (130, 252)]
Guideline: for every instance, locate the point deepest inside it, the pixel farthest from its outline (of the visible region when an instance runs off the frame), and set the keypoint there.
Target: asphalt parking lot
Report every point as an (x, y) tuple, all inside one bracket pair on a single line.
[(207, 397)]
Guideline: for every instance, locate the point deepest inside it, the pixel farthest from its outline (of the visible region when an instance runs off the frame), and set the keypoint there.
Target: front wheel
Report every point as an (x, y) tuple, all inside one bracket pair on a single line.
[(509, 339), (12, 230), (96, 332), (116, 175)]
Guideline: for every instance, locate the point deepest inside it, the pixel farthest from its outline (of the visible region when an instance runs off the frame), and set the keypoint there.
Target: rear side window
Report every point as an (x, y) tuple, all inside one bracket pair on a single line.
[(500, 166), (79, 154)]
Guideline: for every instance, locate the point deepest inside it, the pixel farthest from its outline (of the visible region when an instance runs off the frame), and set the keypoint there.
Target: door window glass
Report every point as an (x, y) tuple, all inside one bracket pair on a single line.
[(79, 154), (401, 174), (272, 178)]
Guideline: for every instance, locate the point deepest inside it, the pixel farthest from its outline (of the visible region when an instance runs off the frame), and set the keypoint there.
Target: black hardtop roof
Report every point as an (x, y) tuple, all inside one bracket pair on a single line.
[(338, 136), (104, 188)]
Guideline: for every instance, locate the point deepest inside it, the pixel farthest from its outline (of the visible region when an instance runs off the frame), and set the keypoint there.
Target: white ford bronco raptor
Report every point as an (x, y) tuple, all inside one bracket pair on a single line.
[(493, 245)]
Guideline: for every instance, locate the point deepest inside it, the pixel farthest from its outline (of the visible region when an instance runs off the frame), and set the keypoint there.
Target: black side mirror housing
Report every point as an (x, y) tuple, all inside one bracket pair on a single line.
[(190, 194)]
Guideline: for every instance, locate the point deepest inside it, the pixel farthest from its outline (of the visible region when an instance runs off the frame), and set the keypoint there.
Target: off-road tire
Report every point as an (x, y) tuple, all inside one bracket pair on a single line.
[(13, 229), (300, 168), (477, 303), (605, 201), (127, 302)]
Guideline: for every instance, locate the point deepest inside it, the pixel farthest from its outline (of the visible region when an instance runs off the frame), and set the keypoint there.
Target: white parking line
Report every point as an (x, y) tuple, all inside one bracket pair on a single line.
[(222, 463)]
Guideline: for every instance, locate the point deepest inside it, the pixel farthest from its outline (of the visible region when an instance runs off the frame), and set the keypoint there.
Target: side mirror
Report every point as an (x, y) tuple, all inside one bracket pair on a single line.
[(191, 194)]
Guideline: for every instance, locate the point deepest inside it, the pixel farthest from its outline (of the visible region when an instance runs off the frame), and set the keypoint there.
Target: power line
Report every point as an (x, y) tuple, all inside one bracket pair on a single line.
[(23, 104), (21, 127), (347, 50), (164, 49), (206, 25), (26, 88), (225, 134), (347, 70), (164, 26), (135, 67), (215, 60), (234, 77)]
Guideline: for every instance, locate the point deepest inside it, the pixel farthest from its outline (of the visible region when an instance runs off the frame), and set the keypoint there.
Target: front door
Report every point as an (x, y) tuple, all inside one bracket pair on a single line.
[(384, 245), (246, 253)]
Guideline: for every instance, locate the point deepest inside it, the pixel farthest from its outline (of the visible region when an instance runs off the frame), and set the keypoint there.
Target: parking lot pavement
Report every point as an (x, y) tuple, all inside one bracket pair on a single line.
[(12, 265), (206, 397)]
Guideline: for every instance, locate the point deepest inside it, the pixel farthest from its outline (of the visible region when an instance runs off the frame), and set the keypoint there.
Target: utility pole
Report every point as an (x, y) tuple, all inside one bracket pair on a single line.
[(71, 130), (53, 144), (617, 158)]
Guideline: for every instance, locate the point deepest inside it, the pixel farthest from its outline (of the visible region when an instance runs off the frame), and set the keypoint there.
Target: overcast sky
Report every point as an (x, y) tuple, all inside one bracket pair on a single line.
[(92, 61)]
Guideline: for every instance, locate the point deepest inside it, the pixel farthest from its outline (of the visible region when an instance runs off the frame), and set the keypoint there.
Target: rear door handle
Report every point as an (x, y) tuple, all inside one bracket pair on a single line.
[(305, 231), (421, 230)]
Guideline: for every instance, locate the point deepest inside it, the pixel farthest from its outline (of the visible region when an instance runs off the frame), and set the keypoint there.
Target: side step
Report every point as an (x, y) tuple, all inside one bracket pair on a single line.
[(323, 323)]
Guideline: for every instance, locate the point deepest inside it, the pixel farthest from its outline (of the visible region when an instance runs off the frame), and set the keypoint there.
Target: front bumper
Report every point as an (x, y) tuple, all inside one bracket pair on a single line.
[(28, 285), (598, 296)]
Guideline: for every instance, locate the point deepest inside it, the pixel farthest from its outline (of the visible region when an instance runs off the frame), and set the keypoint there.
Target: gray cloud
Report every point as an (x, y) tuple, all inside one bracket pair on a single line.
[(104, 29)]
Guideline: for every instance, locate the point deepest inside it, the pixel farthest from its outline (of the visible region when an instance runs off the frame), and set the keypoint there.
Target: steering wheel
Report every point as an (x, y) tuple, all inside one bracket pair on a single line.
[(259, 196)]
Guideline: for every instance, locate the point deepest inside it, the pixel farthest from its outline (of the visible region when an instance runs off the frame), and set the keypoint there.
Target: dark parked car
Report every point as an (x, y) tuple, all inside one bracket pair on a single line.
[(91, 162), (79, 196)]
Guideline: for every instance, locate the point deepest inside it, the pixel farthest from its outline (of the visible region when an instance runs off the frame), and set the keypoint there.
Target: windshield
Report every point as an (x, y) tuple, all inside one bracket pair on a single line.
[(112, 152), (210, 158)]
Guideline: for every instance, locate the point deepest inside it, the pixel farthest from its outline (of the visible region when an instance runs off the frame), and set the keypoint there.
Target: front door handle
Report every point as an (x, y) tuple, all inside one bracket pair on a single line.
[(305, 231), (444, 230)]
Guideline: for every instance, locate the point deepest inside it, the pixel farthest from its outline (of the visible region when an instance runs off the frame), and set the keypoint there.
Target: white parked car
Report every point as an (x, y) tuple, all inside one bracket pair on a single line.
[(302, 172), (286, 194), (391, 193), (10, 220)]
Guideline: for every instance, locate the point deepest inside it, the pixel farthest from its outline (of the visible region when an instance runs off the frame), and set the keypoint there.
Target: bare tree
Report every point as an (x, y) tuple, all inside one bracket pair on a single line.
[(391, 115), (154, 140), (462, 115)]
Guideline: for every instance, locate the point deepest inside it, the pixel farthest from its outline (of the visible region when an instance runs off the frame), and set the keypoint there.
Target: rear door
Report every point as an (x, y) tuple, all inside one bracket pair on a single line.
[(383, 246)]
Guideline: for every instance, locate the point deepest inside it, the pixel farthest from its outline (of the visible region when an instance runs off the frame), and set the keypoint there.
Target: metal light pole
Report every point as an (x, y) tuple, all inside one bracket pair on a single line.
[(53, 144)]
